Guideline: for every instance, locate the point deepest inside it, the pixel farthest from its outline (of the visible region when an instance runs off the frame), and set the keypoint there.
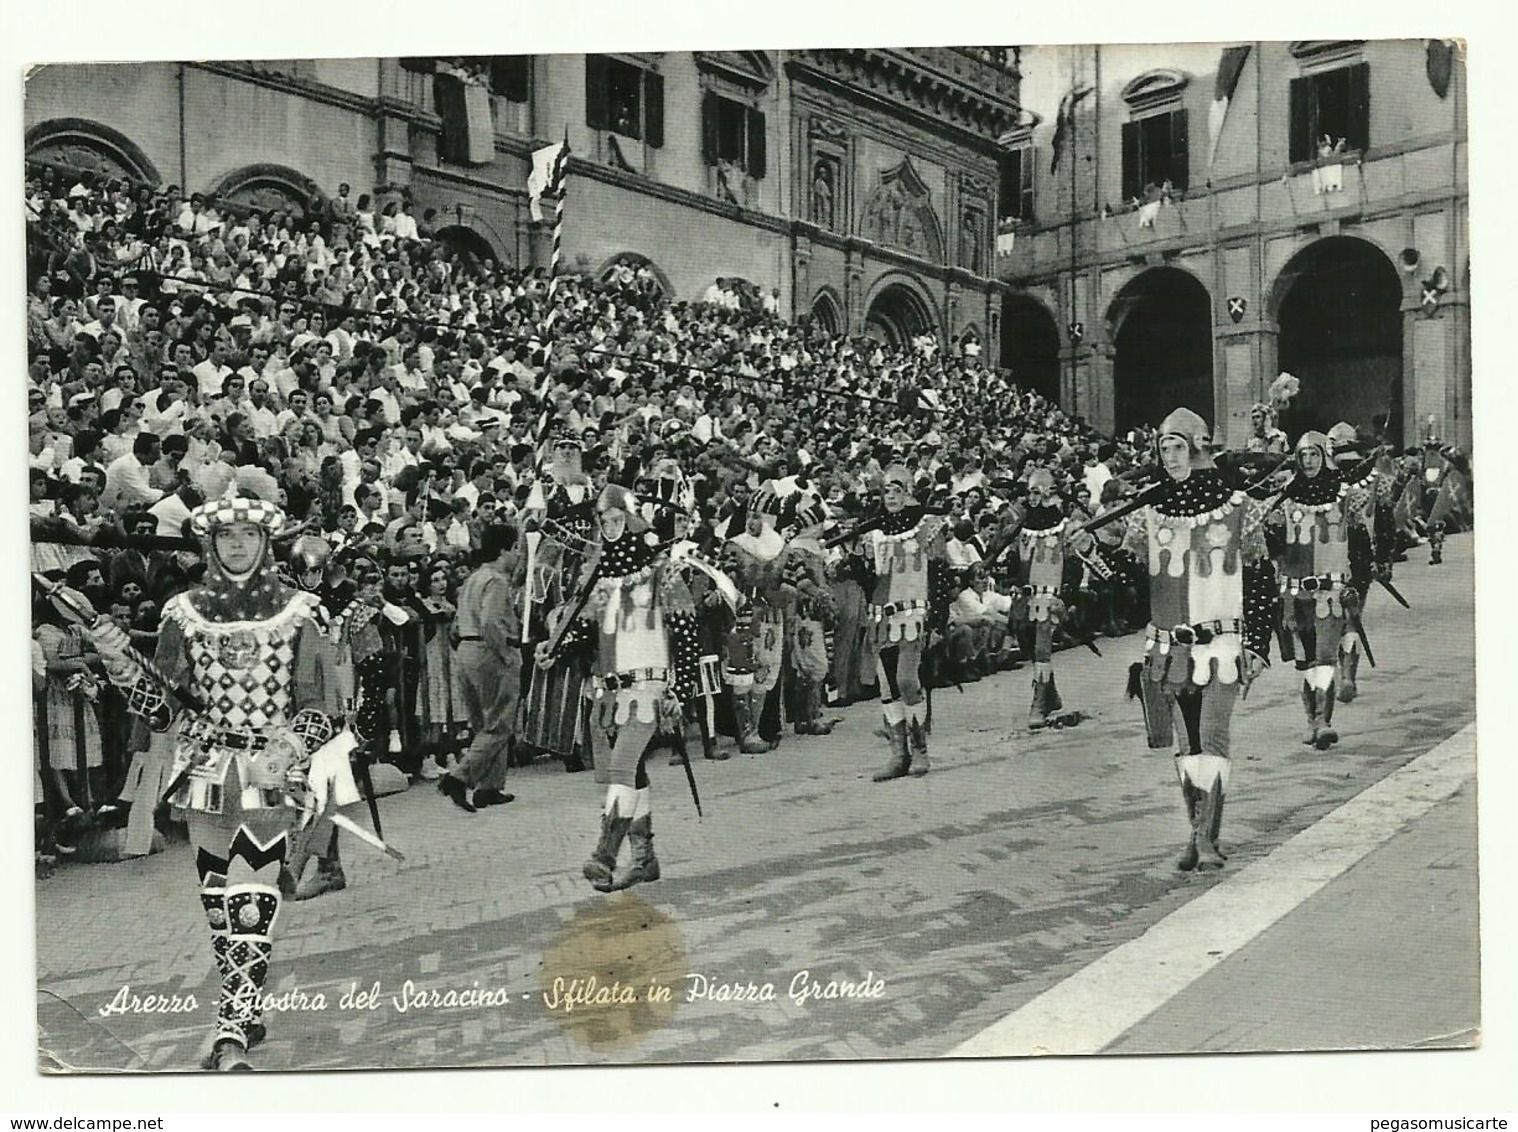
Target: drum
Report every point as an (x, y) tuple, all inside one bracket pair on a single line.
[(709, 675)]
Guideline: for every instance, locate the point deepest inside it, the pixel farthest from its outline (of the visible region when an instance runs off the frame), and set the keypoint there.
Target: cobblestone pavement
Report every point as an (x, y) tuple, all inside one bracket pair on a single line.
[(965, 893)]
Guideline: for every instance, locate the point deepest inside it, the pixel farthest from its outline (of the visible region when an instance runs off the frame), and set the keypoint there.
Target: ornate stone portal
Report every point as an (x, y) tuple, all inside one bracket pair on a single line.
[(899, 214)]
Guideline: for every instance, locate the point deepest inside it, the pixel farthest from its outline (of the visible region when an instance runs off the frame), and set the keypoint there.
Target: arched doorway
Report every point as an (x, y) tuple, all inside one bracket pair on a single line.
[(270, 189), (827, 313), (638, 263), (897, 315), (1339, 308), (1162, 332), (78, 146), (1030, 345), (472, 248)]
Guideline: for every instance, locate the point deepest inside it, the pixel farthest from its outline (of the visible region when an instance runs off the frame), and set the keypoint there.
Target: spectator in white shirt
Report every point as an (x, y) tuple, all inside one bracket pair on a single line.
[(1098, 474), (297, 403), (127, 478), (260, 411), (405, 223), (211, 374)]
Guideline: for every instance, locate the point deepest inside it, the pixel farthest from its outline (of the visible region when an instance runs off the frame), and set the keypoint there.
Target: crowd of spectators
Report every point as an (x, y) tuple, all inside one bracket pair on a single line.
[(398, 390)]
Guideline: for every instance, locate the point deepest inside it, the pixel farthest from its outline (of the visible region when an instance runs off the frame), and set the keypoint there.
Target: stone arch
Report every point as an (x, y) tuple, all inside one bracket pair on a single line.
[(1296, 263), (81, 145), (971, 333), (827, 311), (268, 188), (1030, 344), (899, 309), (637, 260), (473, 248), (900, 214), (1160, 325), (1337, 304)]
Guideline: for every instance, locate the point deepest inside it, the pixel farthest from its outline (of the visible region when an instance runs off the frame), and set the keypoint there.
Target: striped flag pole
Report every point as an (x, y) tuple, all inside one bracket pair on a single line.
[(560, 185)]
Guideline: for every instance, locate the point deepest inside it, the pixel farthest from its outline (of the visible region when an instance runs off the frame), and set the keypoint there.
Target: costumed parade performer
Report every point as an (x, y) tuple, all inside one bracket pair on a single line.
[(906, 556), (558, 521), (637, 615), (755, 653), (1044, 545), (805, 572), (1212, 595), (670, 506), (1372, 537), (307, 564), (262, 748), (1318, 605)]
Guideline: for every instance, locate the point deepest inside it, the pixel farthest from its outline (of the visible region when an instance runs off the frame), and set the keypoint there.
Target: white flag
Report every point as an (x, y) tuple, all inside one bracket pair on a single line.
[(540, 180)]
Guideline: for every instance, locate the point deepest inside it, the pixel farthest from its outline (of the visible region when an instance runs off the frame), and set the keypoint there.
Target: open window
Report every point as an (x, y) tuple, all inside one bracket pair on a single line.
[(625, 99)]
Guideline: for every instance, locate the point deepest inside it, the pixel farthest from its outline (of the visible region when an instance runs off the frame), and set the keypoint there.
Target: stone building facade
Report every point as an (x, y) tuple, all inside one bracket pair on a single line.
[(1185, 222), (861, 185)]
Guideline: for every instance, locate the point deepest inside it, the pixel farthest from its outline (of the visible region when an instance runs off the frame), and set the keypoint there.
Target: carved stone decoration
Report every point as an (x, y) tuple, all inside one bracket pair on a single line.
[(899, 214), (973, 187), (828, 130), (269, 188), (824, 192), (971, 240), (83, 146)]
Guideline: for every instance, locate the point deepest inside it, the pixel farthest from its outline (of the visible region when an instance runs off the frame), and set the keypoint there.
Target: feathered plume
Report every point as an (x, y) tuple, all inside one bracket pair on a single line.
[(1283, 390), (246, 480)]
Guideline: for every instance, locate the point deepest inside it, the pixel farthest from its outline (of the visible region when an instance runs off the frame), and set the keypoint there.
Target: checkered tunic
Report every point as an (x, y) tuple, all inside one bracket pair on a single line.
[(244, 671)]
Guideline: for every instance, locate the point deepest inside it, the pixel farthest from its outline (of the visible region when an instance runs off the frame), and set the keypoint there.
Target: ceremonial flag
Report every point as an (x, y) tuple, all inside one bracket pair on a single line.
[(1064, 122), (548, 168), (1229, 69)]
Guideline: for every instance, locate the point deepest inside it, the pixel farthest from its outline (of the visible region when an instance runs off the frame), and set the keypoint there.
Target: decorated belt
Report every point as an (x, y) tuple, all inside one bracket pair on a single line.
[(615, 681), (880, 612), (1314, 583), (1040, 591), (208, 735), (1199, 634)]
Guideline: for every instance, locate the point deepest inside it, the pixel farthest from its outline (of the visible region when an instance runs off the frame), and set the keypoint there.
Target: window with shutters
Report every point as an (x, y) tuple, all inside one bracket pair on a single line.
[(1155, 153), (624, 98), (510, 76), (1015, 194), (732, 132), (1330, 113)]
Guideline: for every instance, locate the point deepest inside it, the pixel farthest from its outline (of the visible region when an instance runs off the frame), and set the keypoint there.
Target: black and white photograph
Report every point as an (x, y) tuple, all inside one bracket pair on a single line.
[(811, 555)]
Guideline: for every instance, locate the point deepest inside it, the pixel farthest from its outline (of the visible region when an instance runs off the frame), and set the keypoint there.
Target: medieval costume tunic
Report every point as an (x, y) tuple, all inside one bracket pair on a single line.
[(755, 655), (1043, 549), (907, 557), (1318, 603), (1266, 438), (1372, 536), (255, 653), (1211, 601), (809, 616), (559, 524), (639, 621)]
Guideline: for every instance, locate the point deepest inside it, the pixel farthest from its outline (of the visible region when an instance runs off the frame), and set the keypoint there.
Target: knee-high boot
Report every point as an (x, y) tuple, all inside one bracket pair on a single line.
[(616, 819), (917, 740), (1310, 704), (643, 867), (1327, 736), (250, 908), (213, 899), (1209, 820), (896, 736), (1188, 858), (1344, 677)]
